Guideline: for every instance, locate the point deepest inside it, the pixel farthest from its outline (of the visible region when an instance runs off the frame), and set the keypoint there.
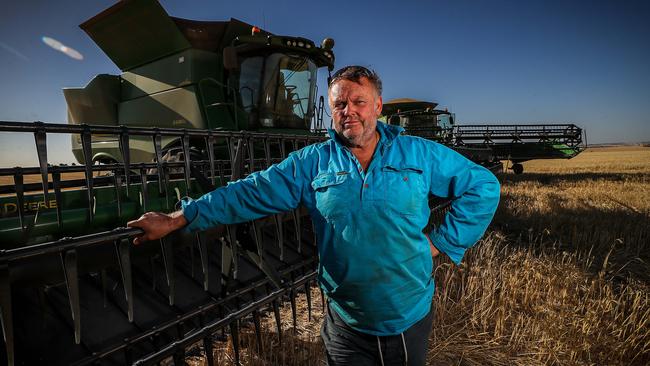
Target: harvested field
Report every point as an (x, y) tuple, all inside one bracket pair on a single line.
[(561, 278)]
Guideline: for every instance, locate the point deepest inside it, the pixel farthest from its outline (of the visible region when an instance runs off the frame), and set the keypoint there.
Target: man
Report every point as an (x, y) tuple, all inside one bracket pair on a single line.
[(367, 192)]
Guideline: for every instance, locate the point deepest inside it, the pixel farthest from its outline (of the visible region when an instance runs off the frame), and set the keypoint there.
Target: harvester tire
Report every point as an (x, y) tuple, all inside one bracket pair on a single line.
[(517, 168)]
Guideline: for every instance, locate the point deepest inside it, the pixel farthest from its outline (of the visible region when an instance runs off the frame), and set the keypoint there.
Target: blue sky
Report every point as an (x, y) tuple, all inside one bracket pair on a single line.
[(585, 62)]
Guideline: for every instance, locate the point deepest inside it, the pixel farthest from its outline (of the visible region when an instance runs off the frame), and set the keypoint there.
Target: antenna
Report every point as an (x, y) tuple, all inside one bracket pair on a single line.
[(264, 20)]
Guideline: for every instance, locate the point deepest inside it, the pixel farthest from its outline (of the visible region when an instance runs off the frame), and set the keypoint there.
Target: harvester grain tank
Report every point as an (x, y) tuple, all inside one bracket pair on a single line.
[(514, 142), (197, 104), (178, 73)]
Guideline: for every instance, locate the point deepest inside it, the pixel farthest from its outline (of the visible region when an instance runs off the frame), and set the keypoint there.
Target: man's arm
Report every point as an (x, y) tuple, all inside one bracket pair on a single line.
[(277, 189), (475, 192)]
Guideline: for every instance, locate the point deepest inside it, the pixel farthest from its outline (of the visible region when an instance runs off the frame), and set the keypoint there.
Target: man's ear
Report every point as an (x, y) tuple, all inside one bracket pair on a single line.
[(379, 104)]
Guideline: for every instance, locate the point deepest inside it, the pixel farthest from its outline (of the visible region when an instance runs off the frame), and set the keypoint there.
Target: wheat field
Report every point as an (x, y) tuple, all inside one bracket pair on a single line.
[(561, 277)]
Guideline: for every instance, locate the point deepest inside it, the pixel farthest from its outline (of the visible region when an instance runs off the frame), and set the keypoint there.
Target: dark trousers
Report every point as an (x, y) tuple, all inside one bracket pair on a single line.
[(346, 346)]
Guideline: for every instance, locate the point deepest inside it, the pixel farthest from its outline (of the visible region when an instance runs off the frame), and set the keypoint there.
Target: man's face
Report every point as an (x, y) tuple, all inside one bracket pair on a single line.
[(355, 108)]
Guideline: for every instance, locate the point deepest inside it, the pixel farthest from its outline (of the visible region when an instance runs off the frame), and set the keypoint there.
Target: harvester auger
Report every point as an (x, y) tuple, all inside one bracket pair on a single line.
[(489, 142)]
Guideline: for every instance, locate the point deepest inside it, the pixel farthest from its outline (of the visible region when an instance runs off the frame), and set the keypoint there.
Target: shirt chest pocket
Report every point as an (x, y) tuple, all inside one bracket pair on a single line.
[(333, 194), (404, 188)]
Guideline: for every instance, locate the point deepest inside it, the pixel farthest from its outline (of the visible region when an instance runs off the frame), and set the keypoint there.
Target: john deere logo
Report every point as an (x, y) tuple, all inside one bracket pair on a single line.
[(11, 209)]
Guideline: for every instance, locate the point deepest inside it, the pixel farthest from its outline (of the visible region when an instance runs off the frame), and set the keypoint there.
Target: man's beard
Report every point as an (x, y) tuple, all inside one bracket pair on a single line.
[(356, 139)]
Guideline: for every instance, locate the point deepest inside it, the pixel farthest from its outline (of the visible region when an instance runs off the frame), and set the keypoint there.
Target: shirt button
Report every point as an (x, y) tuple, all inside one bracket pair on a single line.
[(365, 186)]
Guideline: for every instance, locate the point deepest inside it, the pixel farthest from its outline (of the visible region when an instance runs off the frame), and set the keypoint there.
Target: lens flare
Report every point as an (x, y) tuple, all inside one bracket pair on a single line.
[(70, 52)]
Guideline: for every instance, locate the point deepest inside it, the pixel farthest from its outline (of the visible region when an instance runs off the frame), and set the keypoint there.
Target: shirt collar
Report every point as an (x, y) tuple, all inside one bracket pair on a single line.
[(387, 133)]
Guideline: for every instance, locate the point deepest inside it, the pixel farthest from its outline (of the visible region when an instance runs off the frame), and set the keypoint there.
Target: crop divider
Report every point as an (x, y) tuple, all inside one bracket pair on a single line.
[(208, 349), (70, 269), (229, 262), (144, 194), (117, 181), (292, 299), (56, 185), (40, 137), (126, 155), (185, 141), (278, 321), (20, 196), (86, 144), (123, 249), (202, 242), (209, 142), (308, 296), (168, 262), (157, 144)]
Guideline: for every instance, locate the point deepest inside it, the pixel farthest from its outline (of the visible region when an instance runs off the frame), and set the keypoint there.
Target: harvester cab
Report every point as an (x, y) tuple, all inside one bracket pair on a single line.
[(178, 73), (420, 118)]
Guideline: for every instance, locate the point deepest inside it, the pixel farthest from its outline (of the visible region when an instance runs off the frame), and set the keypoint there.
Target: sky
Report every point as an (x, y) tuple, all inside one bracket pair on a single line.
[(582, 62)]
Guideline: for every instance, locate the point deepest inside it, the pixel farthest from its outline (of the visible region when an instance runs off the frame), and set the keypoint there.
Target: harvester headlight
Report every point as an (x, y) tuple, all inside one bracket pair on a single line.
[(288, 43), (294, 43), (308, 45), (301, 44)]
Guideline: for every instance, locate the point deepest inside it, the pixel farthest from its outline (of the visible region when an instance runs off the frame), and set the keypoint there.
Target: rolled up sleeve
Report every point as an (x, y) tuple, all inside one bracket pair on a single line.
[(475, 193)]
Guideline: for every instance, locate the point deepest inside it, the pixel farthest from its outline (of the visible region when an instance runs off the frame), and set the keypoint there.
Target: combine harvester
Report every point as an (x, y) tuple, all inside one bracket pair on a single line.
[(198, 104), (73, 290), (516, 143)]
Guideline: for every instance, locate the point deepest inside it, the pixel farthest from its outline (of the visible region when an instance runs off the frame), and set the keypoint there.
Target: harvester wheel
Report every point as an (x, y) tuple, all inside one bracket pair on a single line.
[(517, 168)]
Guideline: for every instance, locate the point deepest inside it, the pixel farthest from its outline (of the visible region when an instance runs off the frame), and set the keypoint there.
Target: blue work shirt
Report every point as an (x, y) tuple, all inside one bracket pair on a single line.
[(375, 263)]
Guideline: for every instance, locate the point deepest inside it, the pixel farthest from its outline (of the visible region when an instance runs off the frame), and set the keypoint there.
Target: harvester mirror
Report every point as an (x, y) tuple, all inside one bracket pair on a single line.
[(230, 58)]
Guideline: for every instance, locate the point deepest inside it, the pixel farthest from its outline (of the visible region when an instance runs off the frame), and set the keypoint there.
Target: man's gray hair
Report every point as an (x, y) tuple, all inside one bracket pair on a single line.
[(355, 73)]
